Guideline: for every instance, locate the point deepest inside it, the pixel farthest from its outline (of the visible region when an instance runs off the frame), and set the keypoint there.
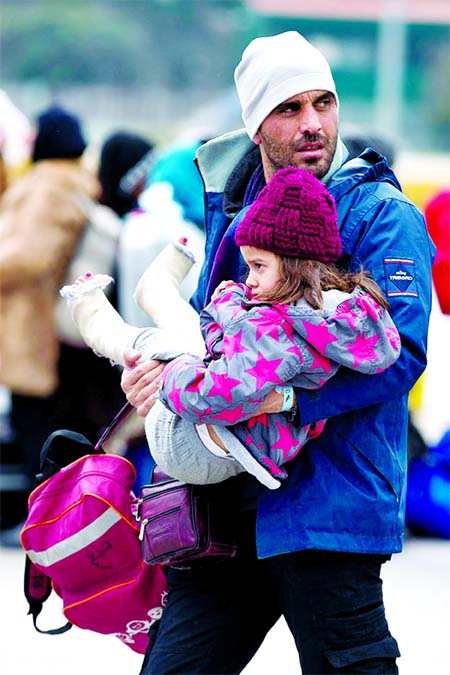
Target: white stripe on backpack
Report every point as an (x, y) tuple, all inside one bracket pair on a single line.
[(75, 543)]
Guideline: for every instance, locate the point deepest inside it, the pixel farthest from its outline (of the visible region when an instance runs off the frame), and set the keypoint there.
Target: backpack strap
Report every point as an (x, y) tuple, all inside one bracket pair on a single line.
[(37, 589), (121, 416)]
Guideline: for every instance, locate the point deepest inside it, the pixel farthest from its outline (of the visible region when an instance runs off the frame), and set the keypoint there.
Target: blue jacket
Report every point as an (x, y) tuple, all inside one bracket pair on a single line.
[(346, 490)]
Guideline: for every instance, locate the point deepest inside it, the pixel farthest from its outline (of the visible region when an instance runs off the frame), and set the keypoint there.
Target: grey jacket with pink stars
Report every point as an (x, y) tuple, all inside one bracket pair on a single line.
[(253, 347)]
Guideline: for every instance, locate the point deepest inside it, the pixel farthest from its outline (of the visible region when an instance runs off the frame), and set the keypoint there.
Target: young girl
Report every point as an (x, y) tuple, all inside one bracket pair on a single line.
[(293, 323)]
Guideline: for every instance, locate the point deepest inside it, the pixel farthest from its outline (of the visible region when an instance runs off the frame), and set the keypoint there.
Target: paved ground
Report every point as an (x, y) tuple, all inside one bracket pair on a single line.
[(417, 593)]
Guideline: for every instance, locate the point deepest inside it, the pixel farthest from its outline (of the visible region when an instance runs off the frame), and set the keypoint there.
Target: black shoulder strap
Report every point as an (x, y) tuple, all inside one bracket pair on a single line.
[(37, 589)]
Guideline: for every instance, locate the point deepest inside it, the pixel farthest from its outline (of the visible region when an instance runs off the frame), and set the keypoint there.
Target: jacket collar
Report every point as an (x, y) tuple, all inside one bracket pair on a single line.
[(228, 162), (369, 167)]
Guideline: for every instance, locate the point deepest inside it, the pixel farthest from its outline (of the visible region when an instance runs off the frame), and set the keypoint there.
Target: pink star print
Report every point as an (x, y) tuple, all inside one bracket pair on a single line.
[(198, 377), (264, 370), (285, 442), (319, 336), (273, 468), (258, 419), (225, 297), (320, 361), (174, 396), (393, 337), (362, 349), (296, 351), (368, 306), (249, 441), (345, 313), (222, 385), (265, 326), (233, 345), (230, 415)]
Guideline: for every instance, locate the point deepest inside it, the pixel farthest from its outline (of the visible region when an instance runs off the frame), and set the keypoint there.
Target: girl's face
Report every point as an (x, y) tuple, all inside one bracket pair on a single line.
[(264, 271)]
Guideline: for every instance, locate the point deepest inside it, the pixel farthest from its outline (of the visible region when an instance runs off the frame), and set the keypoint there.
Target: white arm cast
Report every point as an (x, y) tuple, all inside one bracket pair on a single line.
[(101, 327), (158, 296)]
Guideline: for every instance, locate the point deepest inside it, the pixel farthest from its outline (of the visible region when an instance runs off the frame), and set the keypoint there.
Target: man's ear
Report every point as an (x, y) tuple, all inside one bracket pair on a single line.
[(257, 138)]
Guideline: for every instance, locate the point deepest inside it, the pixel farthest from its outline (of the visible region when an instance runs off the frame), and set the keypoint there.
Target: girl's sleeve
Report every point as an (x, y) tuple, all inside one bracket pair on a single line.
[(358, 334), (393, 244), (258, 353)]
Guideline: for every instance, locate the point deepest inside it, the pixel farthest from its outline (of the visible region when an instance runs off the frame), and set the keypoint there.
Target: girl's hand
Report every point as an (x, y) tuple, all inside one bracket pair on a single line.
[(221, 287)]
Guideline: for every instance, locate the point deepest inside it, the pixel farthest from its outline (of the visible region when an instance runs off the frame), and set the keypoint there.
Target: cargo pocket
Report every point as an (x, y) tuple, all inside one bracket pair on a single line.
[(366, 658)]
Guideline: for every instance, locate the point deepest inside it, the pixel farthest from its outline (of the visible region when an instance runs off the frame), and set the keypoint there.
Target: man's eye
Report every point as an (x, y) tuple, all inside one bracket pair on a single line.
[(288, 107), (323, 103)]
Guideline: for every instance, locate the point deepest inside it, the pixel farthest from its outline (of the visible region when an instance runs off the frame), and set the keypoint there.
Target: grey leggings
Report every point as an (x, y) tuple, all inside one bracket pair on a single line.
[(178, 450)]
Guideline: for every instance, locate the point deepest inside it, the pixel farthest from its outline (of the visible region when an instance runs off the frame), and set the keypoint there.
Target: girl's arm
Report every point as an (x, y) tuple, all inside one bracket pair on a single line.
[(355, 332), (395, 241), (258, 353)]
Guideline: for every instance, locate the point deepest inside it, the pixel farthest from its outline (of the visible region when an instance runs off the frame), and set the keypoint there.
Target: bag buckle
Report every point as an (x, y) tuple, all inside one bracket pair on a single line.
[(142, 529)]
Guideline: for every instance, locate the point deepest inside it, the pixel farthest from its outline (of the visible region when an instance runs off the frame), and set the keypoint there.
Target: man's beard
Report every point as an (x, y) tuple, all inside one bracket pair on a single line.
[(280, 157)]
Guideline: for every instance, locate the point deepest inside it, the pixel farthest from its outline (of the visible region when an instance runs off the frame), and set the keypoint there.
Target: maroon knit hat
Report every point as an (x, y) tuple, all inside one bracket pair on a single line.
[(294, 215)]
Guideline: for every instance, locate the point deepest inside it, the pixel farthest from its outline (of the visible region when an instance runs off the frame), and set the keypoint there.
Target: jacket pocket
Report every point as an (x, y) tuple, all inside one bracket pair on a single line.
[(379, 451), (385, 649)]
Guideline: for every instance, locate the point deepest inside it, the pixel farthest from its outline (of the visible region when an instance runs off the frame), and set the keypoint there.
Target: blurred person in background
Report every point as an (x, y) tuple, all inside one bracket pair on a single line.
[(16, 138), (356, 141), (428, 496), (122, 172), (170, 206), (3, 172), (159, 196), (312, 550), (437, 217), (53, 382), (121, 152)]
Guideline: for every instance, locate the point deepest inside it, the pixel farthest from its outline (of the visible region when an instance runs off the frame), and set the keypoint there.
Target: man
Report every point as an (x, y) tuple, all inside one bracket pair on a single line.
[(322, 537)]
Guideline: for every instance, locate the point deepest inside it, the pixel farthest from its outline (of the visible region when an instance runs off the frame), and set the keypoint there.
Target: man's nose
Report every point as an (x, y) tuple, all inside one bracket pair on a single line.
[(310, 122)]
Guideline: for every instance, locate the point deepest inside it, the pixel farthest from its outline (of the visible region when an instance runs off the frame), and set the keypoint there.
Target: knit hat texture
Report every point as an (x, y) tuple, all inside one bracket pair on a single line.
[(59, 136), (294, 215), (273, 69)]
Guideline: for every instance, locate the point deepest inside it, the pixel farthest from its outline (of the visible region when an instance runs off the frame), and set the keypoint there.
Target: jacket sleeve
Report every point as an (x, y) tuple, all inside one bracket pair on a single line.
[(393, 244), (257, 354), (355, 332)]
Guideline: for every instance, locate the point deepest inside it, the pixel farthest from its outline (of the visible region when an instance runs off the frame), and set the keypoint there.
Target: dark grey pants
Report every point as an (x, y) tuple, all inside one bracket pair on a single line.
[(219, 613)]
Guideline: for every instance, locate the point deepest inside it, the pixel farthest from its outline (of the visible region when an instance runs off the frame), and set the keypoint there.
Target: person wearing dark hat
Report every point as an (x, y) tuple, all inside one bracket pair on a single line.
[(120, 152), (43, 216), (313, 550), (59, 136)]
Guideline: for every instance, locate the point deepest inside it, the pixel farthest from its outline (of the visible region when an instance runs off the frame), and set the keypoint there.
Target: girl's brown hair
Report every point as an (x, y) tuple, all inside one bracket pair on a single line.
[(308, 278)]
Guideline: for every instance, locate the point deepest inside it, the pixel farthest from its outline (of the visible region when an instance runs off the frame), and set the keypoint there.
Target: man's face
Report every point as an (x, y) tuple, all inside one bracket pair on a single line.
[(302, 132)]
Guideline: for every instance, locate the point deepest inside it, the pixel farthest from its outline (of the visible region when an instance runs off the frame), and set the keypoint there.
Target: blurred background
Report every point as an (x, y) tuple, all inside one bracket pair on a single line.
[(150, 80), (163, 67)]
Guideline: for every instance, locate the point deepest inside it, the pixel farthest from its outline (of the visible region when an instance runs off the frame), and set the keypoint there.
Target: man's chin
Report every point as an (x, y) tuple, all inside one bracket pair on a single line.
[(315, 165)]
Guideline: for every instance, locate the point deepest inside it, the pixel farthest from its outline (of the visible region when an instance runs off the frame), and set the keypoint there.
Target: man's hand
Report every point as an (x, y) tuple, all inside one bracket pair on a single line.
[(140, 381), (273, 403)]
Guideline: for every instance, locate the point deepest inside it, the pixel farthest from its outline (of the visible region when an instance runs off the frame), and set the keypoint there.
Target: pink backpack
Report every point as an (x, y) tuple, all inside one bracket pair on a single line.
[(81, 534)]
